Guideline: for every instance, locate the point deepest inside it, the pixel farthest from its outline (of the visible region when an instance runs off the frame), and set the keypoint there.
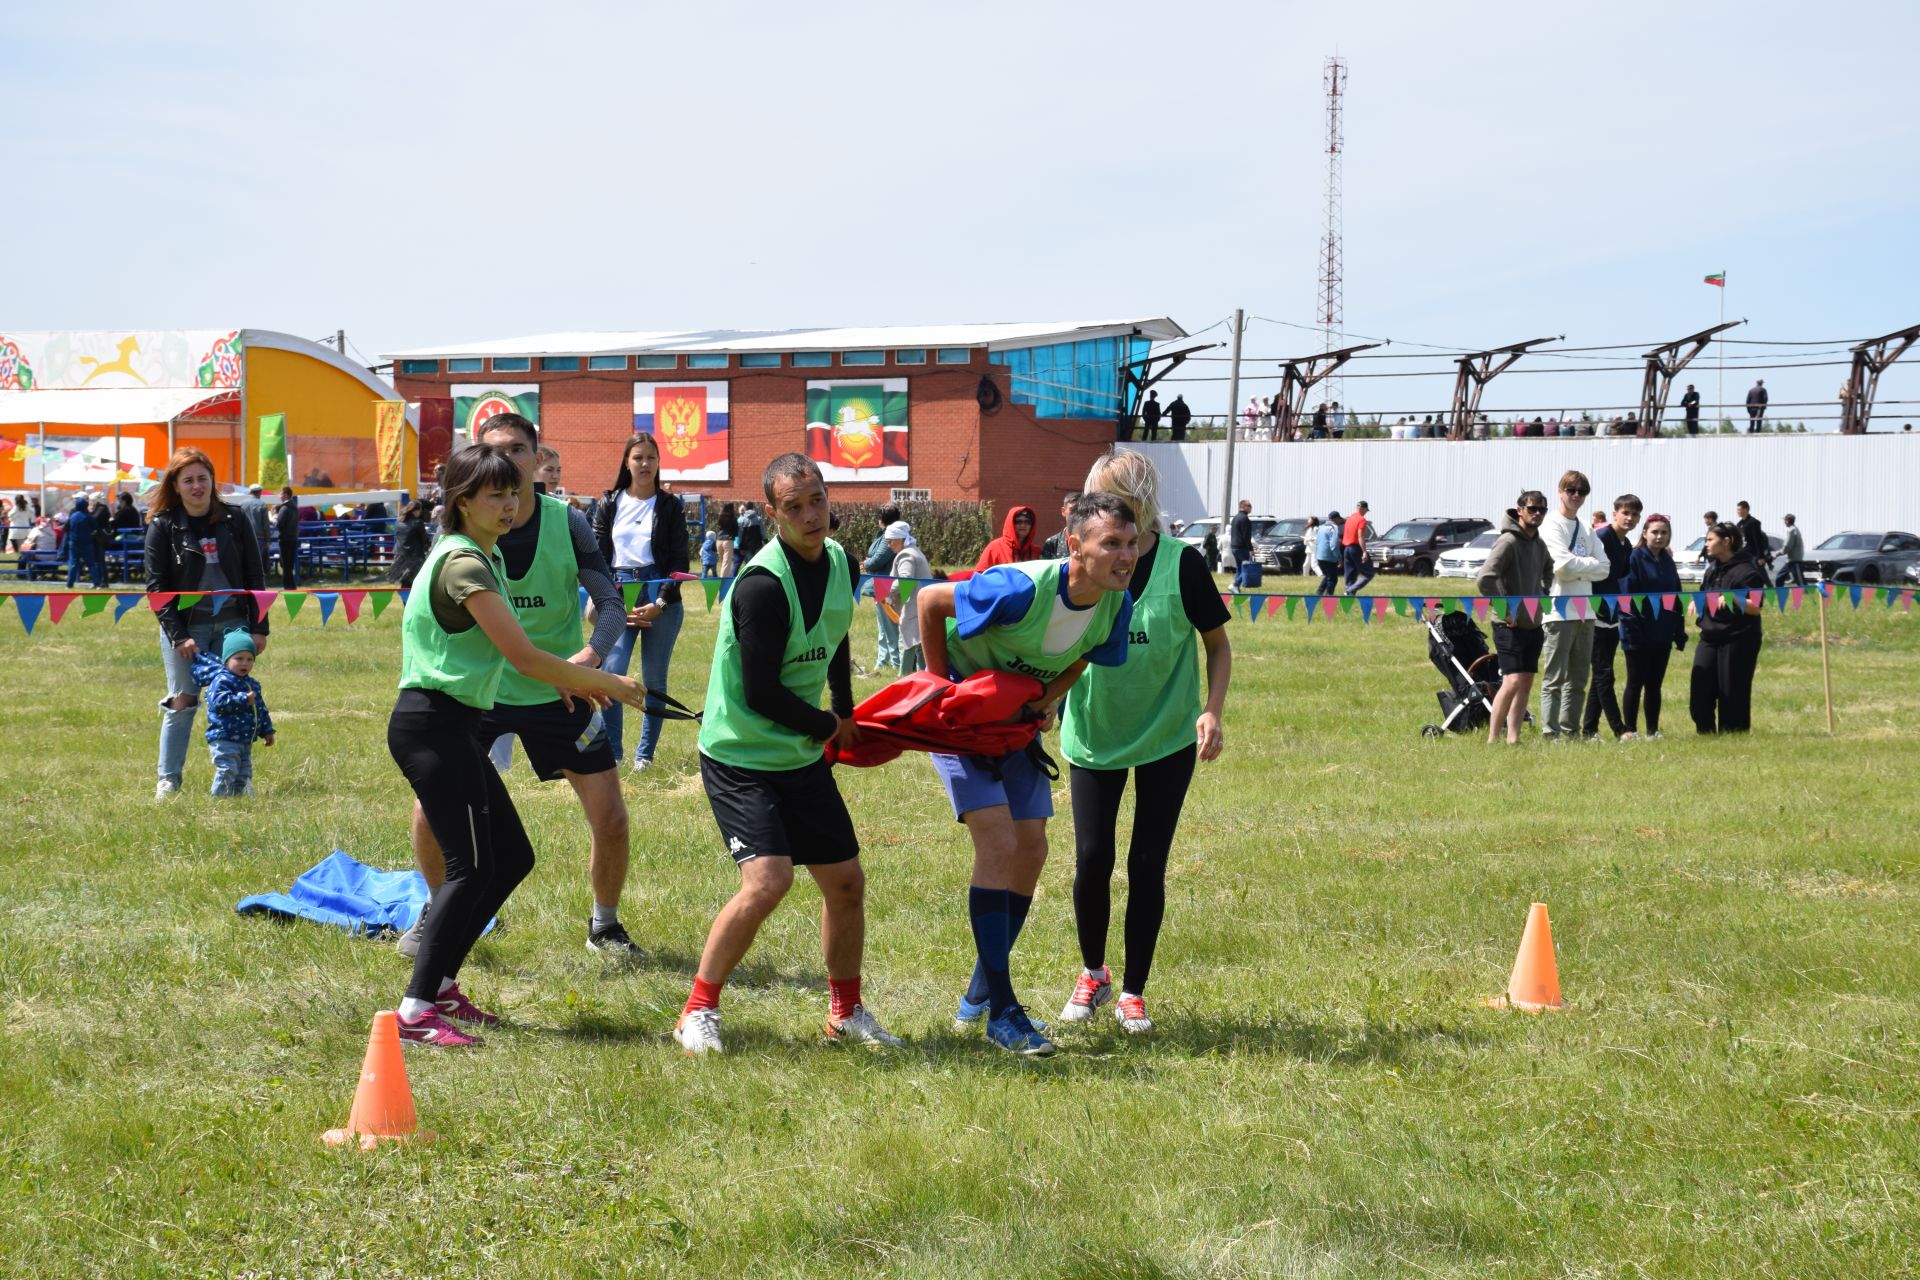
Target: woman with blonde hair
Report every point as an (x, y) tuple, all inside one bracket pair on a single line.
[(193, 547), (1146, 716)]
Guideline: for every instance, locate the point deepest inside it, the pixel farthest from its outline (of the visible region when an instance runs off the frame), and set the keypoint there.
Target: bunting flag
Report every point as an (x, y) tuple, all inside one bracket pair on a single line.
[(1853, 593), (1292, 601), (1797, 596), (1780, 599), (1533, 604), (351, 601), (1754, 598), (91, 603), (1400, 605), (1346, 604), (263, 600), (1699, 604), (381, 599), (186, 600), (1502, 607), (1273, 605), (1480, 609), (1580, 609), (159, 600), (1312, 603), (57, 605), (1366, 608), (1671, 600), (710, 587), (122, 603), (1731, 600), (1654, 602), (327, 599), (29, 607), (294, 599)]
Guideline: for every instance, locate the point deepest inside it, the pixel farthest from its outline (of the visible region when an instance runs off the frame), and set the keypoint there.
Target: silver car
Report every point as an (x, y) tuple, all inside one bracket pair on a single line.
[(1465, 562)]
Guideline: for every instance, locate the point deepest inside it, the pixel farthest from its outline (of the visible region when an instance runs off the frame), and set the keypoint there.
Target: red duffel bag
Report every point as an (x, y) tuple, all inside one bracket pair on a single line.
[(983, 715)]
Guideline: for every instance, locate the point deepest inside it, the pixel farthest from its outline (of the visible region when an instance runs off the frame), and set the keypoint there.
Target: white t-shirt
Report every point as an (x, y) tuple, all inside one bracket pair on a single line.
[(632, 532)]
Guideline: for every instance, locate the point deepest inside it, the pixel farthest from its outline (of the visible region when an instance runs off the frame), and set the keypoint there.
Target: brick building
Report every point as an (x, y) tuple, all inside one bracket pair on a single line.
[(1002, 413)]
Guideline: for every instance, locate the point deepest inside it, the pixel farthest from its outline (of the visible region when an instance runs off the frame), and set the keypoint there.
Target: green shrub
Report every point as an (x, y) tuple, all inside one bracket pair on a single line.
[(952, 534)]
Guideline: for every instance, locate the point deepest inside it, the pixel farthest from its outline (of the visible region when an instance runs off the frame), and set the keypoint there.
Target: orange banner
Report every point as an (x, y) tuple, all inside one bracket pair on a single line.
[(390, 440)]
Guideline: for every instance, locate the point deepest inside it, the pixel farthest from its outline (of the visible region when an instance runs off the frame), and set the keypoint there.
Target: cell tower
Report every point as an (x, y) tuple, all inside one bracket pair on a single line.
[(1332, 289)]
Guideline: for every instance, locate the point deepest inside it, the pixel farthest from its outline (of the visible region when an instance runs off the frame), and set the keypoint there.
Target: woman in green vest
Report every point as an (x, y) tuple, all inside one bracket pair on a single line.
[(1145, 716), (458, 635)]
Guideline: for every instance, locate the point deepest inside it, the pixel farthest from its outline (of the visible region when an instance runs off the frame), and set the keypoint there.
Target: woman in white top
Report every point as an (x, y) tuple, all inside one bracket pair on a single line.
[(19, 522), (642, 531)]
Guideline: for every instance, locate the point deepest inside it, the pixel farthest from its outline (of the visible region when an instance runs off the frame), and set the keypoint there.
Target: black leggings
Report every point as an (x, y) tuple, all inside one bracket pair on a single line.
[(1723, 683), (1161, 791), (1646, 672), (431, 738)]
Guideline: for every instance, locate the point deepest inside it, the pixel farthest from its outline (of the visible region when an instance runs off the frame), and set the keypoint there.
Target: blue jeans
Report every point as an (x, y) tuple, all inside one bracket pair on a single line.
[(232, 767), (176, 727), (92, 557), (656, 650), (887, 653)]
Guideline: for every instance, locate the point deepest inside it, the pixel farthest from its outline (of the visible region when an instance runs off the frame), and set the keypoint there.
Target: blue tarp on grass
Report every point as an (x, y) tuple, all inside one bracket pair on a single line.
[(349, 895)]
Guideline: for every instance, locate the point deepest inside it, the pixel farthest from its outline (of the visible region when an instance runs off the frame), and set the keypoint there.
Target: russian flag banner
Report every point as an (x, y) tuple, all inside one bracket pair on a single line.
[(688, 420)]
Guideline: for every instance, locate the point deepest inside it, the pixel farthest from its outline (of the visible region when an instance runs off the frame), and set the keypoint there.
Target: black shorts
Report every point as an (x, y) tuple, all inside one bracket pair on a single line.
[(783, 813), (1518, 648), (554, 737)]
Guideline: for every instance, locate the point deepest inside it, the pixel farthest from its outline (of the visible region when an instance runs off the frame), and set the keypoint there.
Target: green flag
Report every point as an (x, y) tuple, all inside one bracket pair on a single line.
[(273, 450)]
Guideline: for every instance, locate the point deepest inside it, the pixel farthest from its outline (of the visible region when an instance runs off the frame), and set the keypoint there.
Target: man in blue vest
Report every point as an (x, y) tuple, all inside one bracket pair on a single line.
[(551, 554), (1047, 619)]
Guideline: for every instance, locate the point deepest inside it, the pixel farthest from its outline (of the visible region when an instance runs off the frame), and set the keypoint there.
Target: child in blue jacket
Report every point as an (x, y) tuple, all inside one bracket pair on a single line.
[(710, 556), (236, 713)]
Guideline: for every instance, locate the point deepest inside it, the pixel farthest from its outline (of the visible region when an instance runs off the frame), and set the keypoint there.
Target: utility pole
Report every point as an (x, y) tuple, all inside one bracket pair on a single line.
[(340, 341), (1233, 413)]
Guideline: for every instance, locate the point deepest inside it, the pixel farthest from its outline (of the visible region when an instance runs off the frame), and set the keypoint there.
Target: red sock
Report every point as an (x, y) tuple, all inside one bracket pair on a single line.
[(706, 995), (843, 995)]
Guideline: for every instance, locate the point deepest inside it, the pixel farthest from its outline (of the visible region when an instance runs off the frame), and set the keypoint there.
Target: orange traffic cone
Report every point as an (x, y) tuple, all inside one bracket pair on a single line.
[(383, 1104), (1535, 985)]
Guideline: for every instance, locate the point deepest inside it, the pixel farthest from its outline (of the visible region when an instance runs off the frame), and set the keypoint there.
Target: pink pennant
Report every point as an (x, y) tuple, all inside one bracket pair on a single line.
[(1670, 600), (58, 604), (1274, 603), (264, 599), (1532, 603), (1580, 607), (351, 602), (158, 600), (1753, 599), (1797, 597), (1623, 603), (1226, 600), (1480, 609)]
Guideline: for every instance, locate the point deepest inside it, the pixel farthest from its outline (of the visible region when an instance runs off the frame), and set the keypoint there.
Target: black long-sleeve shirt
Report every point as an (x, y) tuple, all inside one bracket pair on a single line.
[(761, 622)]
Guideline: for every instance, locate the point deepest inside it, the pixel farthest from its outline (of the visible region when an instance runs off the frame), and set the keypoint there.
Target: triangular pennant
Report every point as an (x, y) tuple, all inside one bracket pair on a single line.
[(1853, 593), (58, 604), (1253, 609), (1580, 609), (381, 599), (630, 592), (327, 599), (1400, 605), (93, 602), (1273, 604), (1532, 603), (1502, 607), (264, 600), (1699, 604), (881, 585), (1796, 596), (188, 599), (29, 607), (1653, 605), (1346, 604), (1312, 603), (1780, 599), (1480, 609), (1292, 603), (1450, 605), (1366, 608), (1563, 605), (351, 602), (1227, 601), (1671, 600), (1640, 603), (293, 600), (585, 600), (158, 600), (711, 588), (1887, 595), (404, 593), (1732, 600), (122, 603), (860, 581)]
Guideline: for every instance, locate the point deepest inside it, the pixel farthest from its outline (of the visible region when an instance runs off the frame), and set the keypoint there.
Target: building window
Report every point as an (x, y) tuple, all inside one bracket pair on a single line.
[(513, 364), (760, 360), (419, 366), (559, 364), (812, 359), (910, 355), (954, 355), (657, 362), (606, 362), (466, 364), (707, 360), (1071, 379), (863, 357)]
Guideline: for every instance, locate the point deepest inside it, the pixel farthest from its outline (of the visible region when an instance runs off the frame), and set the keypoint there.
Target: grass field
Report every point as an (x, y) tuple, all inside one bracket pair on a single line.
[(1735, 1089)]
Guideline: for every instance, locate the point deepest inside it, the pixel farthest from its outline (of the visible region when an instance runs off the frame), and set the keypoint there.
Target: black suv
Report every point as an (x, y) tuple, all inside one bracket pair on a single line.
[(1282, 548), (1415, 546)]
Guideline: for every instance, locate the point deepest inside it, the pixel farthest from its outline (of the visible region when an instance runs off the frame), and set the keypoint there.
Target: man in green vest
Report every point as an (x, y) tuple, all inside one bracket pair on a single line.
[(763, 736), (1047, 619), (550, 555)]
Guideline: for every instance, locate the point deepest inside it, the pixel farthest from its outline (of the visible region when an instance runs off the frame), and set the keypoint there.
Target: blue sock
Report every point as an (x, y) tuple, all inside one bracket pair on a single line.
[(991, 916), (1018, 905)]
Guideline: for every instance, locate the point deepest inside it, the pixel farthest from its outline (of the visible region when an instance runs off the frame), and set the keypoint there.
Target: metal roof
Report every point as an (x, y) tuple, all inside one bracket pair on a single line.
[(994, 337)]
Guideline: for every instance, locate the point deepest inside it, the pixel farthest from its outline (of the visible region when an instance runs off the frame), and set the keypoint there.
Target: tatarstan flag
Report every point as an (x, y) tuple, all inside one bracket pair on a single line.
[(473, 405), (1718, 279), (857, 431)]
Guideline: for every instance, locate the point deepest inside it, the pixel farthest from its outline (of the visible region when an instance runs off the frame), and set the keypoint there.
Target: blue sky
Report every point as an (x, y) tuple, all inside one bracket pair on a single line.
[(421, 174)]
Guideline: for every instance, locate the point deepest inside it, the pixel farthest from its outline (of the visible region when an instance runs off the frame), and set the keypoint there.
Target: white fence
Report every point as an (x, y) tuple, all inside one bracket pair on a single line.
[(1830, 483)]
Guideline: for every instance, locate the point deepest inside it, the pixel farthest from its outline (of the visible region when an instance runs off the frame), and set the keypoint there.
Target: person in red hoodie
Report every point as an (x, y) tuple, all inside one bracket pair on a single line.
[(1015, 544)]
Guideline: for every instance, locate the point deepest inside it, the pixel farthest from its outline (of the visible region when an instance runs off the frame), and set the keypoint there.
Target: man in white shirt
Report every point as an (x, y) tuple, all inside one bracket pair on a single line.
[(1567, 656)]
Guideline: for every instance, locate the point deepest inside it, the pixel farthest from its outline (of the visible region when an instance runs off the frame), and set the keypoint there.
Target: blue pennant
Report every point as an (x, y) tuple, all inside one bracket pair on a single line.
[(122, 603)]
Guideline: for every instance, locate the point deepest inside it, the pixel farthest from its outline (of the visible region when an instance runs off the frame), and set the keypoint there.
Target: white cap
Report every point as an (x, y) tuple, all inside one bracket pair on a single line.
[(898, 529)]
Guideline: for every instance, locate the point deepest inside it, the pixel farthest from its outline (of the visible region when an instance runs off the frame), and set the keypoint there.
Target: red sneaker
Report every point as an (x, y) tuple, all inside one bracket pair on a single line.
[(432, 1029), (453, 1003)]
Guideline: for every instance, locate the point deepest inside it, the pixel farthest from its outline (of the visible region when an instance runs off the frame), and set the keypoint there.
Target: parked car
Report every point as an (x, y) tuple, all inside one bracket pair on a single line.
[(1282, 548), (1866, 557), (1467, 561), (1691, 564), (1415, 546), (1195, 534)]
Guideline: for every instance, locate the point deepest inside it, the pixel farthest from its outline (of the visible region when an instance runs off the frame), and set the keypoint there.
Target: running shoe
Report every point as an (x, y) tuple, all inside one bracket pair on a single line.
[(1131, 1011), (1015, 1033), (642, 763), (1089, 993), (612, 940), (433, 1029), (166, 789), (860, 1027), (699, 1032), (453, 1003), (408, 944), (969, 1015)]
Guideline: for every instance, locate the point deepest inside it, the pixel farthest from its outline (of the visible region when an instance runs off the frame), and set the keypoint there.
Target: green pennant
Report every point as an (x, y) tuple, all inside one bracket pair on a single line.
[(1450, 605), (1500, 608), (1346, 604), (1292, 603), (1639, 604), (293, 600), (1731, 600), (380, 600), (90, 605), (185, 600), (1400, 605), (630, 591), (711, 587)]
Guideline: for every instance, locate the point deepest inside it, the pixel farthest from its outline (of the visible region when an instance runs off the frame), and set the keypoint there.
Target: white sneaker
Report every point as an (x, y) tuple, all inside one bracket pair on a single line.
[(1090, 991), (861, 1027), (699, 1032), (1131, 1011), (641, 764), (166, 789)]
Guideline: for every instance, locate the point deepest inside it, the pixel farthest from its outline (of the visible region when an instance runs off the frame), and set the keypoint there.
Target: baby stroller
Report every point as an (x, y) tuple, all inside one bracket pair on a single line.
[(1458, 650)]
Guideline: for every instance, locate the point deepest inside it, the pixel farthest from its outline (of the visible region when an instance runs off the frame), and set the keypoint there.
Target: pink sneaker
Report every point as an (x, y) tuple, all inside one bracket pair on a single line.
[(453, 1003), (432, 1029)]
